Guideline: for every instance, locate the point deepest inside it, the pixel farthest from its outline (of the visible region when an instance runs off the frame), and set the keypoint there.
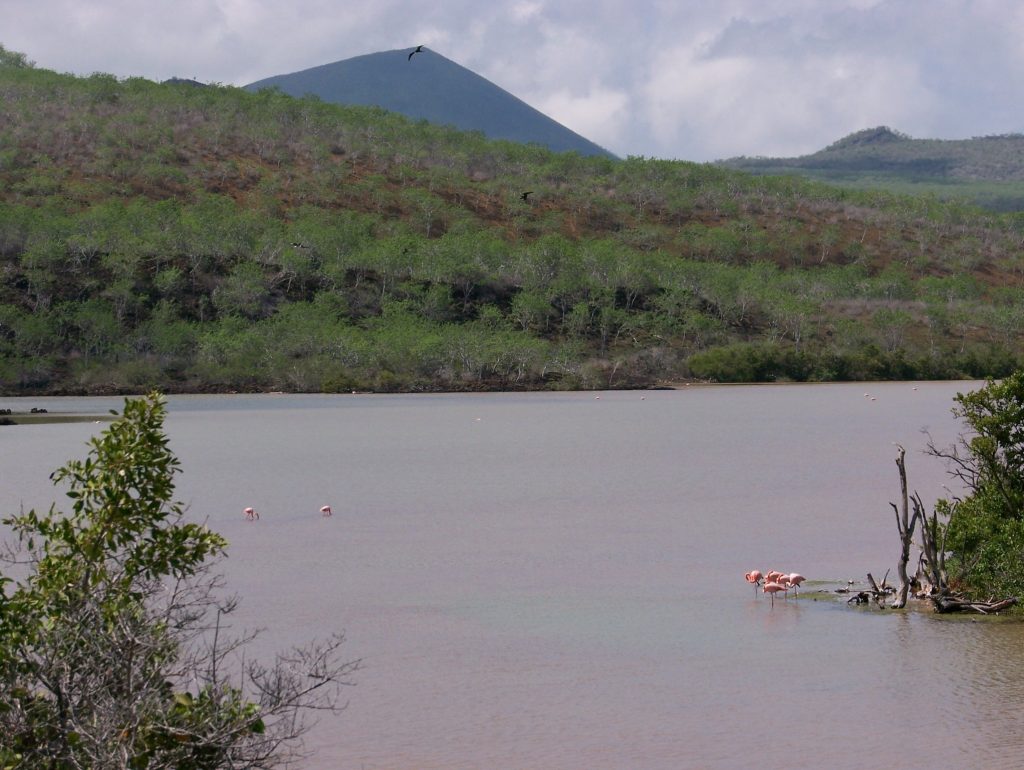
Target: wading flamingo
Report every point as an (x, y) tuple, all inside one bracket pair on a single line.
[(795, 579), (754, 576), (783, 580), (773, 588), (250, 514), (326, 510)]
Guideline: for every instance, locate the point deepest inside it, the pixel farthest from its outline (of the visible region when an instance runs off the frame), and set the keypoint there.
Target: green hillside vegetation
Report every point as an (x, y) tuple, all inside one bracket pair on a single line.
[(986, 171), (433, 88), (213, 239)]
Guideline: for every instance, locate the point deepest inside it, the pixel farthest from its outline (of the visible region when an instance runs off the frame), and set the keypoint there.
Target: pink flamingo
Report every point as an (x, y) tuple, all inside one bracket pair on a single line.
[(795, 579), (784, 582), (326, 510), (772, 576), (754, 576), (772, 588), (250, 514)]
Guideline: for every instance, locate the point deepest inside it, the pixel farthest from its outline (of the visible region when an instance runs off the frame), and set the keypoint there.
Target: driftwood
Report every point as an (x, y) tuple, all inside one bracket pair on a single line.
[(877, 593), (942, 604), (882, 589), (950, 604)]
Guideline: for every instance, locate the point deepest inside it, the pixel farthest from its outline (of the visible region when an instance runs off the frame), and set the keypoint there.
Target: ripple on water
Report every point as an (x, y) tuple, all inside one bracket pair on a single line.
[(560, 584)]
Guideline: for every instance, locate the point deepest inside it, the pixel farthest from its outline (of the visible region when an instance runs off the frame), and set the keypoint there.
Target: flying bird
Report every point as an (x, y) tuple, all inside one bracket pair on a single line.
[(525, 196), (418, 49)]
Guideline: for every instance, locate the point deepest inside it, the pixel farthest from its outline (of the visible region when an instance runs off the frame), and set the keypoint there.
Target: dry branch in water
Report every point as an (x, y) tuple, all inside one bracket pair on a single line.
[(951, 604)]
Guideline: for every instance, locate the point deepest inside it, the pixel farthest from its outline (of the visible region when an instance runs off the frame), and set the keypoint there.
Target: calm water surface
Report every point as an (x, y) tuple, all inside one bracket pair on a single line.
[(555, 581)]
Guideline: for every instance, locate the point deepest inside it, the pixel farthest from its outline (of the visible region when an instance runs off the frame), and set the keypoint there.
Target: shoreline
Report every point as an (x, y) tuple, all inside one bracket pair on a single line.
[(102, 391)]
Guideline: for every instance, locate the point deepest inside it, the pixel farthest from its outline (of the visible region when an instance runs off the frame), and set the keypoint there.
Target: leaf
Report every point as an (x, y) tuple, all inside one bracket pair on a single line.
[(183, 699)]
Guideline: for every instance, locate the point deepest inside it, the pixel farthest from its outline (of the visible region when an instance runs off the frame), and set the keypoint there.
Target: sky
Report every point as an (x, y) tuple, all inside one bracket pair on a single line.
[(692, 80)]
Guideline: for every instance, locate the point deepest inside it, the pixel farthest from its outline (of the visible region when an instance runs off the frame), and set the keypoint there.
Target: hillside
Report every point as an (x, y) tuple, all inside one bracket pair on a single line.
[(988, 171), (427, 86), (213, 239)]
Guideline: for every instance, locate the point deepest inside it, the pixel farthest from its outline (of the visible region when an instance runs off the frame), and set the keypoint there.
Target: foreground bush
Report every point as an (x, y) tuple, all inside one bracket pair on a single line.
[(112, 649)]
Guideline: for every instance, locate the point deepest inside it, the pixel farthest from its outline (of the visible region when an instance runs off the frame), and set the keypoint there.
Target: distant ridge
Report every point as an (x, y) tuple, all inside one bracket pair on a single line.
[(184, 82), (430, 87), (883, 150), (988, 170)]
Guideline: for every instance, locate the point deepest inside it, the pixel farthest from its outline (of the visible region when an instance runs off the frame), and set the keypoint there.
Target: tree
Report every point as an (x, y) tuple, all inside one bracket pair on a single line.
[(14, 59), (932, 563), (891, 325), (244, 292), (98, 332), (531, 312), (984, 534), (112, 650)]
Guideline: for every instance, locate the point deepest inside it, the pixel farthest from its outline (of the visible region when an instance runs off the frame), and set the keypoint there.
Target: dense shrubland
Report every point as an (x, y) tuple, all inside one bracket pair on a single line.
[(206, 238)]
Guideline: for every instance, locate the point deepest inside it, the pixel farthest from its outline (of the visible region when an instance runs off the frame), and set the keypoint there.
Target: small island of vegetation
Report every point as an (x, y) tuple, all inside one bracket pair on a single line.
[(971, 545)]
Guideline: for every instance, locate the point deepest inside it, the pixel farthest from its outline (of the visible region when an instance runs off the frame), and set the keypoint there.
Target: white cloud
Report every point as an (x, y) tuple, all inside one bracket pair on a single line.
[(525, 11), (734, 104), (669, 78), (600, 114)]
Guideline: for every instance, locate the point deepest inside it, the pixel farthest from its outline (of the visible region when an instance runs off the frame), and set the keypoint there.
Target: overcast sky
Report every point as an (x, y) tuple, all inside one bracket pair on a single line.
[(679, 79)]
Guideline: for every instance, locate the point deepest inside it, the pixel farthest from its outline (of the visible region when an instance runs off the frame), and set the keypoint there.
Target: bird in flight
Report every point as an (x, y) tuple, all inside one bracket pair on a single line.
[(419, 49), (525, 196)]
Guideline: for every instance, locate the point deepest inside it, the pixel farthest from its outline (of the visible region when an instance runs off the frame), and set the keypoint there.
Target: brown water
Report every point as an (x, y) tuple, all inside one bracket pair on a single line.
[(555, 581)]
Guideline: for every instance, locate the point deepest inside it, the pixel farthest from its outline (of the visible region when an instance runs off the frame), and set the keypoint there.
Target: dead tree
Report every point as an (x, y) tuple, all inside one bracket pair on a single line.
[(905, 522), (931, 567), (930, 576)]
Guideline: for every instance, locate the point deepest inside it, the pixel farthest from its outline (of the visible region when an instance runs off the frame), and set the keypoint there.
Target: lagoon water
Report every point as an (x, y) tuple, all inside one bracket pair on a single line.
[(555, 581)]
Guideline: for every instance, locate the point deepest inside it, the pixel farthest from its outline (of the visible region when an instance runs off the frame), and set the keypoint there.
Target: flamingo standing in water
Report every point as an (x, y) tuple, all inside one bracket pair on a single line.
[(326, 510), (775, 581), (250, 514), (773, 588), (754, 576)]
